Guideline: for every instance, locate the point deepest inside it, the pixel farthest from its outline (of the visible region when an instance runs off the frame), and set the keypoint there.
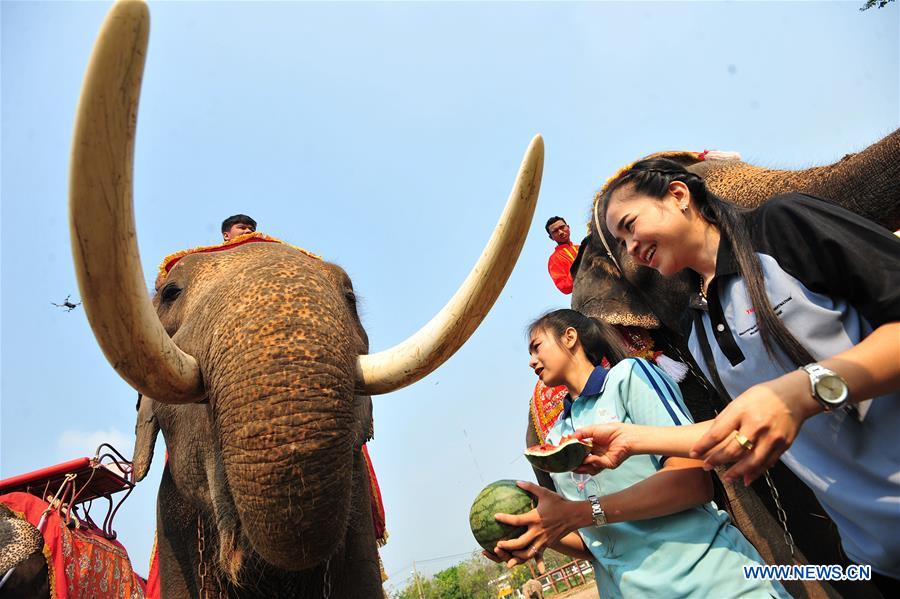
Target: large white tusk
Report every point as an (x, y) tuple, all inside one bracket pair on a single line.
[(104, 243), (435, 342)]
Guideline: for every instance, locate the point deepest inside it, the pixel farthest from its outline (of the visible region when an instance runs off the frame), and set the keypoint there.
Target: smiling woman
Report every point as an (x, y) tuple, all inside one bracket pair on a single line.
[(802, 301)]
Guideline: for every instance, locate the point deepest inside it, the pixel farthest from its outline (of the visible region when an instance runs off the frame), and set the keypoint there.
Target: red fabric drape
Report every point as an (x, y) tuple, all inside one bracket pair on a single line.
[(378, 518), (546, 406)]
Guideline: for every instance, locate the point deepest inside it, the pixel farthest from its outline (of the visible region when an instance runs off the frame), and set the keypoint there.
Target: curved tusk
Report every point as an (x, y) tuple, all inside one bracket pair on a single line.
[(434, 343), (104, 242)]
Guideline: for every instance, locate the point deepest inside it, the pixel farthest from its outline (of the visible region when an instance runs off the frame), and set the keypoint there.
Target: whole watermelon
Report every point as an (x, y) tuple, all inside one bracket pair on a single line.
[(501, 496)]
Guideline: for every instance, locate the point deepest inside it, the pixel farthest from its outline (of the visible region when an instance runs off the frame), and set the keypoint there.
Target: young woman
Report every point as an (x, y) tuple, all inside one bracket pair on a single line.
[(796, 318), (649, 527)]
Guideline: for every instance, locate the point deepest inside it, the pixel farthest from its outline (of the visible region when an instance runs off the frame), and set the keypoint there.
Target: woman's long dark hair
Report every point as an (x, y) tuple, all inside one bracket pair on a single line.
[(598, 339), (652, 177)]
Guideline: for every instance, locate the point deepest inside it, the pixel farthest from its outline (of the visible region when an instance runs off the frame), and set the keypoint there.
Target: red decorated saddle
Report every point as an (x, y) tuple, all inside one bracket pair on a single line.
[(84, 561)]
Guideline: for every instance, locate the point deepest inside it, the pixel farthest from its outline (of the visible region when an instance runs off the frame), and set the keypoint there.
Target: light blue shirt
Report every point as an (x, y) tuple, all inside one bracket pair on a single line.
[(693, 553)]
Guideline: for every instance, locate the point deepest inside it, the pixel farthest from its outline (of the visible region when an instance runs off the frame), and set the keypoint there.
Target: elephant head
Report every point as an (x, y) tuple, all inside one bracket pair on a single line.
[(608, 284), (254, 357)]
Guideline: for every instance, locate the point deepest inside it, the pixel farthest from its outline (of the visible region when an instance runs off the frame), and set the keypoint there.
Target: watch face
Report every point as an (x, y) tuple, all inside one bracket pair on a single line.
[(831, 389)]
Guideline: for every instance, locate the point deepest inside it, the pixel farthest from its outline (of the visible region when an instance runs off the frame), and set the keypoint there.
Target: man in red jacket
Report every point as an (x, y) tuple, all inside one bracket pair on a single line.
[(563, 256)]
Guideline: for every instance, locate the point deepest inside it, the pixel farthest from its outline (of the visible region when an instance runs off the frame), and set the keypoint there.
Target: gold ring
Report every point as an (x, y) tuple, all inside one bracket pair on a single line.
[(743, 441)]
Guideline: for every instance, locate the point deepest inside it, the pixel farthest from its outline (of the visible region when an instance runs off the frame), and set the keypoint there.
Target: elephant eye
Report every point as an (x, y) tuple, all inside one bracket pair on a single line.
[(170, 293)]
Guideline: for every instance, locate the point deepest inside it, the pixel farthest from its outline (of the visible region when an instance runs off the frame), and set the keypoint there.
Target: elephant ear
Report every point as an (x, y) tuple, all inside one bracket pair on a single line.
[(145, 431), (363, 421)]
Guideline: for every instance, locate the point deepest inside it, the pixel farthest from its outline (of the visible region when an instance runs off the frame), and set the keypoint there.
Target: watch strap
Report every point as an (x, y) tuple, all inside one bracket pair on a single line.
[(597, 511)]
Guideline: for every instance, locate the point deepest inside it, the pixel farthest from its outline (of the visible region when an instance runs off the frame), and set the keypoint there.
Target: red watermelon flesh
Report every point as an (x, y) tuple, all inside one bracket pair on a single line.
[(565, 457)]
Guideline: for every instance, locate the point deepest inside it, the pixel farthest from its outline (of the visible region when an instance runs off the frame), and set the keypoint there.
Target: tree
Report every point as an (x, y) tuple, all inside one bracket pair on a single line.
[(474, 578), (446, 584), (879, 3)]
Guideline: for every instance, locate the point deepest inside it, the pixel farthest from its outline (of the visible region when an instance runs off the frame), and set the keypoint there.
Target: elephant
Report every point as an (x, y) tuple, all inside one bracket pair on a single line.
[(610, 286), (22, 553), (533, 589), (252, 362)]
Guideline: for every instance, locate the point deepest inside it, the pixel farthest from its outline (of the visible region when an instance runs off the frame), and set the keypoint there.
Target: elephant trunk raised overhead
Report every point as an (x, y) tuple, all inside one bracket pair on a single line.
[(268, 336)]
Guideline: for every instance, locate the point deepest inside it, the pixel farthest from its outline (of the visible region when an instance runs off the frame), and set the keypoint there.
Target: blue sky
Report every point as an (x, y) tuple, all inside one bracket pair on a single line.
[(386, 137)]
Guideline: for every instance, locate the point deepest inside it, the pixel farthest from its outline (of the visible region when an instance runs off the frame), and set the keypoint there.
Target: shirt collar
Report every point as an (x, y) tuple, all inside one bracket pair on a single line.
[(726, 262), (593, 386)]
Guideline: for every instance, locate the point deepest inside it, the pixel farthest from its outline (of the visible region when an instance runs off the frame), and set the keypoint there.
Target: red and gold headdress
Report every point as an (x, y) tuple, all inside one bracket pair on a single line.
[(246, 238)]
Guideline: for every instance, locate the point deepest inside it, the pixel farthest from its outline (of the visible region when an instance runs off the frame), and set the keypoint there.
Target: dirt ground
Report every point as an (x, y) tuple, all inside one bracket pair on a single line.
[(588, 591)]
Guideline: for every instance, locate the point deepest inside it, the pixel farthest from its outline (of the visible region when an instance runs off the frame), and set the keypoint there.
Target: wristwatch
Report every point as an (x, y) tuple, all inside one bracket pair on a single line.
[(597, 511), (827, 387)]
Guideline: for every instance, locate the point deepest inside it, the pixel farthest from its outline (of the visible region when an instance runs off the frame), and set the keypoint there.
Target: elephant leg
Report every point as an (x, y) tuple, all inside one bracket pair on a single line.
[(355, 571), (176, 543)]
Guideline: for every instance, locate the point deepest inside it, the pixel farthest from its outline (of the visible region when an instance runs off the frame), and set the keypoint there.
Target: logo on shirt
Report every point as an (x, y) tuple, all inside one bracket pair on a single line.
[(778, 308), (604, 416)]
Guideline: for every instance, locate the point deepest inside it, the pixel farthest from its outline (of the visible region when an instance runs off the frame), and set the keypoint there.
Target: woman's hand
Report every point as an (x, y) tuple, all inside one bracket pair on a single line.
[(769, 415), (610, 446), (552, 519)]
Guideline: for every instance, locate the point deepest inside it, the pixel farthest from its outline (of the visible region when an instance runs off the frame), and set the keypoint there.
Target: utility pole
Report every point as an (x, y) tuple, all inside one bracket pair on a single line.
[(418, 582)]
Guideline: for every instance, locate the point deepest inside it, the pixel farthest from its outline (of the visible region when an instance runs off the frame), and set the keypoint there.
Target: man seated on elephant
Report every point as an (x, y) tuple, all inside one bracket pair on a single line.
[(238, 224), (563, 256), (232, 227)]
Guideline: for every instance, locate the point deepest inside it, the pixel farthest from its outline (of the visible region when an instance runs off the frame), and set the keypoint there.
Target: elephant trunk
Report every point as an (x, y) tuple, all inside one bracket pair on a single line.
[(289, 471), (281, 390)]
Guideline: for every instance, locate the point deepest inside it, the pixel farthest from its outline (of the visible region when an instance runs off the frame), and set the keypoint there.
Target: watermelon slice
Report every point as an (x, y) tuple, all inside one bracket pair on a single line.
[(565, 457)]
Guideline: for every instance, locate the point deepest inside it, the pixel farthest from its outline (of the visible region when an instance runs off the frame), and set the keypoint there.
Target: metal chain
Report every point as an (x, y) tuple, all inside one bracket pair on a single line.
[(222, 593), (202, 571), (782, 516), (326, 582), (201, 567), (698, 375), (773, 491)]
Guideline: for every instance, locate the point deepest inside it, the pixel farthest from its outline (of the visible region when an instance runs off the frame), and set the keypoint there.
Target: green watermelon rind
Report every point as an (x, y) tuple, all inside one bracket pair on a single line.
[(502, 496), (565, 458)]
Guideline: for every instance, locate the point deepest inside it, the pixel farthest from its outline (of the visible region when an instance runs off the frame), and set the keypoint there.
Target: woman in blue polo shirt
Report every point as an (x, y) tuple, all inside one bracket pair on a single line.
[(649, 526), (797, 318)]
